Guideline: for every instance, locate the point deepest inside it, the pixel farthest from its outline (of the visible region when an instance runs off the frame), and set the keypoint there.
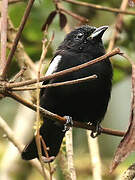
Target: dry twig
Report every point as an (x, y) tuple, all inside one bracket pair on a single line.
[(61, 73), (118, 26), (38, 123), (58, 118), (18, 35), (18, 75), (54, 116), (76, 16), (14, 1), (99, 7), (66, 83), (38, 139), (4, 12), (22, 57)]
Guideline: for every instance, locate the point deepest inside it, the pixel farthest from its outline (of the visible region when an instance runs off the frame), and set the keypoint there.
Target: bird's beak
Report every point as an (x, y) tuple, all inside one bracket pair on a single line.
[(98, 33)]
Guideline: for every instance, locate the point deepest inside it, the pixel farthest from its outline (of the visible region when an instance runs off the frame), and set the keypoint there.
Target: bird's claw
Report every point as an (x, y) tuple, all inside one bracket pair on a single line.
[(68, 124), (48, 159), (97, 131)]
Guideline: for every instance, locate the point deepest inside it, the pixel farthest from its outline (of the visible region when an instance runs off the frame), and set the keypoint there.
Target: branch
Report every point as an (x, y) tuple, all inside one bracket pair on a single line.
[(18, 75), (66, 83), (39, 139), (61, 73), (55, 116), (14, 1), (23, 22), (118, 26), (22, 57), (38, 122), (76, 16), (98, 7), (60, 119), (112, 132), (128, 58), (58, 6), (4, 12)]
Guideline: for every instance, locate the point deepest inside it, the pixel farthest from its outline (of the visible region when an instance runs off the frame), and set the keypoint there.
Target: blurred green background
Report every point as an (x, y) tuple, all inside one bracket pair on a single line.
[(119, 107)]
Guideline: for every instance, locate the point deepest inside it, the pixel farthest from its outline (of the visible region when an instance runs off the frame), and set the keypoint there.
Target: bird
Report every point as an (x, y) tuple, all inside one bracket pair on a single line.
[(85, 102)]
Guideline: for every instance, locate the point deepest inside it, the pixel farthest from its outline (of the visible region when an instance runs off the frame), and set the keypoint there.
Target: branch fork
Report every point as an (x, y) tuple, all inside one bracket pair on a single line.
[(8, 87)]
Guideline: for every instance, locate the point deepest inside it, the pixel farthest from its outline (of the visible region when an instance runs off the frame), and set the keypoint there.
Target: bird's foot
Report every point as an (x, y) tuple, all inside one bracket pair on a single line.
[(97, 131), (68, 124), (48, 159)]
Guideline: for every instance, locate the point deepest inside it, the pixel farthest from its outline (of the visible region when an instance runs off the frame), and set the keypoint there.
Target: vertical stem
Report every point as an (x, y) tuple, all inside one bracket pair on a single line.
[(37, 137), (4, 11), (95, 157), (18, 35), (118, 26), (69, 149)]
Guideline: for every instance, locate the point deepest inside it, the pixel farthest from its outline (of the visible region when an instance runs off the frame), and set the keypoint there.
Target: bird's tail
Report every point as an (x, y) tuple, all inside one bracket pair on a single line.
[(52, 134)]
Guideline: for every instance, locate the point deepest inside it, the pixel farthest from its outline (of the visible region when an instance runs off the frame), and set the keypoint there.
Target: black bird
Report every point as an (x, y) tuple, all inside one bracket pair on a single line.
[(84, 102)]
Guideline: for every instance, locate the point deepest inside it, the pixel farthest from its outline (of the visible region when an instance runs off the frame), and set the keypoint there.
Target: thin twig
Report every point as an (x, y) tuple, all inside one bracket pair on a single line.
[(58, 118), (18, 75), (59, 6), (47, 156), (14, 1), (61, 73), (38, 143), (109, 131), (23, 22), (66, 83), (22, 57), (128, 58), (69, 150), (76, 16), (122, 67), (38, 123), (99, 7), (95, 157), (38, 139), (118, 26), (4, 12)]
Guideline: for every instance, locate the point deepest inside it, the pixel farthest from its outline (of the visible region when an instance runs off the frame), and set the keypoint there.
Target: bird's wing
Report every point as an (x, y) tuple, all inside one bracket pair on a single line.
[(52, 68), (54, 65)]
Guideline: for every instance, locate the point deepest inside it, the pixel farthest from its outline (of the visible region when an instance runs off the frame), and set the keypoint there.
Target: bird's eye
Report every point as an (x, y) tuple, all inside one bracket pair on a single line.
[(79, 36)]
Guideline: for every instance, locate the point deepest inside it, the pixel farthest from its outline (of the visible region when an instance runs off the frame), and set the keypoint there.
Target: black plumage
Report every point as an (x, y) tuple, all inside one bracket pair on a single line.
[(85, 102)]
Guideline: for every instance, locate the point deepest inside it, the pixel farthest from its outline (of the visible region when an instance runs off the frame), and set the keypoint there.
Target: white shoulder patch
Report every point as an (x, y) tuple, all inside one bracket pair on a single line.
[(53, 66)]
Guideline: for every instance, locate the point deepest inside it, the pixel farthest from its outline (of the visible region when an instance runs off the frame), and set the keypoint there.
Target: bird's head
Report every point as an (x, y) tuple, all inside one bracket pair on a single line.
[(83, 39)]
